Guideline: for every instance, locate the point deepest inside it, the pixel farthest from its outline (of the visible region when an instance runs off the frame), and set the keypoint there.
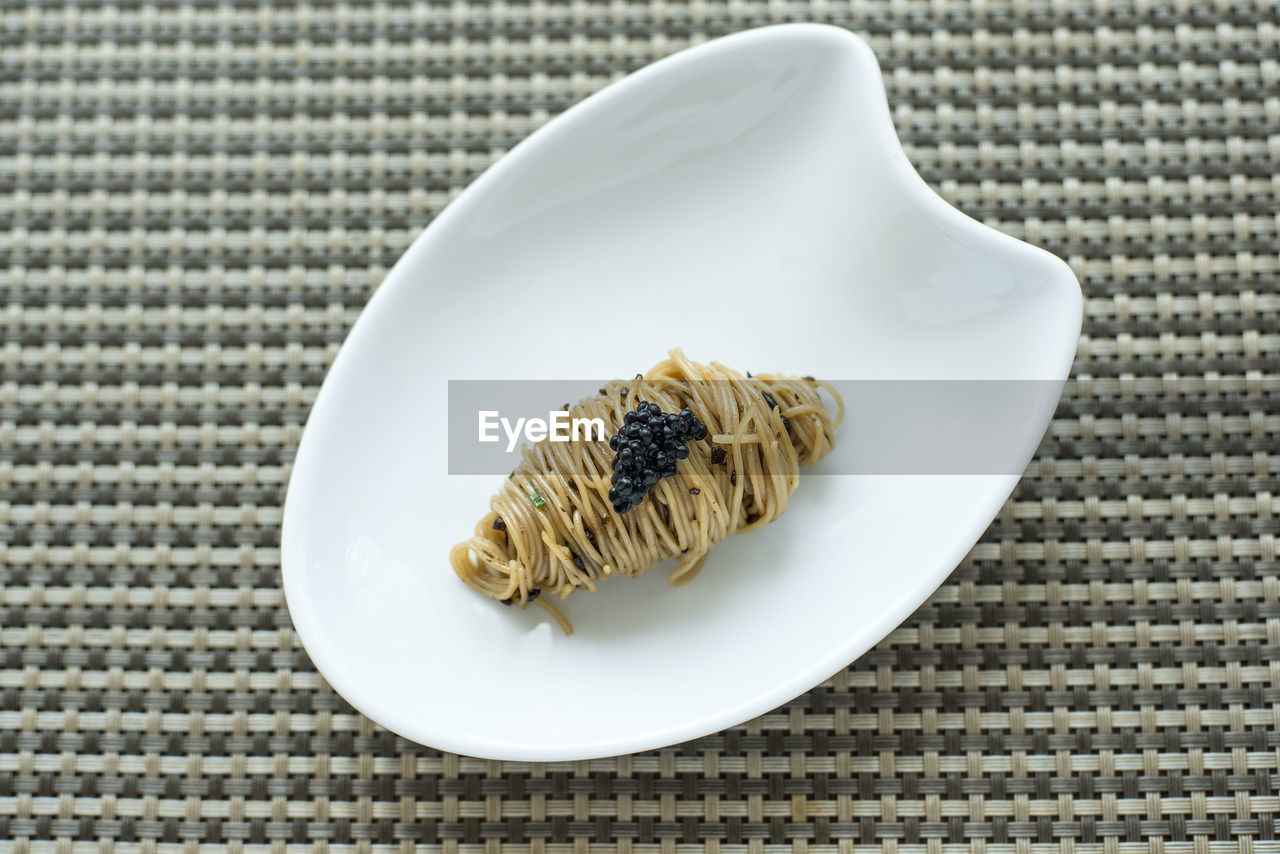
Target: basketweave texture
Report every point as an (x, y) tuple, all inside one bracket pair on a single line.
[(196, 199)]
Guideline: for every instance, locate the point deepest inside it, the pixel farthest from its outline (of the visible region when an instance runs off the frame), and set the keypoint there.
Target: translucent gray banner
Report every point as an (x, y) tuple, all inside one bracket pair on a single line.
[(903, 427)]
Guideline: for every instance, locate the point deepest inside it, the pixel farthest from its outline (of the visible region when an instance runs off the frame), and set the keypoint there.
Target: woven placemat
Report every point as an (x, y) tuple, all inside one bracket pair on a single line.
[(196, 200)]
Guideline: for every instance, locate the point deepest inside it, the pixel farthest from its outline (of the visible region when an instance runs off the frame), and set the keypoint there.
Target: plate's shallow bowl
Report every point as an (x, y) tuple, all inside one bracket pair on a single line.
[(754, 188)]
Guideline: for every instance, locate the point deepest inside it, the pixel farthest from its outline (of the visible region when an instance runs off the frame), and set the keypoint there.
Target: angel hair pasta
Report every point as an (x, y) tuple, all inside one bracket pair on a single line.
[(700, 452)]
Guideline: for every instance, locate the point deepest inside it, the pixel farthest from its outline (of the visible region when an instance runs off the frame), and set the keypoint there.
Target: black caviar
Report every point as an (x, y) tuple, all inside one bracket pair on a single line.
[(648, 446)]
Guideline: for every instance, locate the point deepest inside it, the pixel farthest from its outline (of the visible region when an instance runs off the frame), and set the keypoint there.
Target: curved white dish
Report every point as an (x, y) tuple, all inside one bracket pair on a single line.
[(756, 183)]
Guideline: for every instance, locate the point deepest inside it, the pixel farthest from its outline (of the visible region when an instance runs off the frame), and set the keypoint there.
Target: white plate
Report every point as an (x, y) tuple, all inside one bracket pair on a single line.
[(756, 185)]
